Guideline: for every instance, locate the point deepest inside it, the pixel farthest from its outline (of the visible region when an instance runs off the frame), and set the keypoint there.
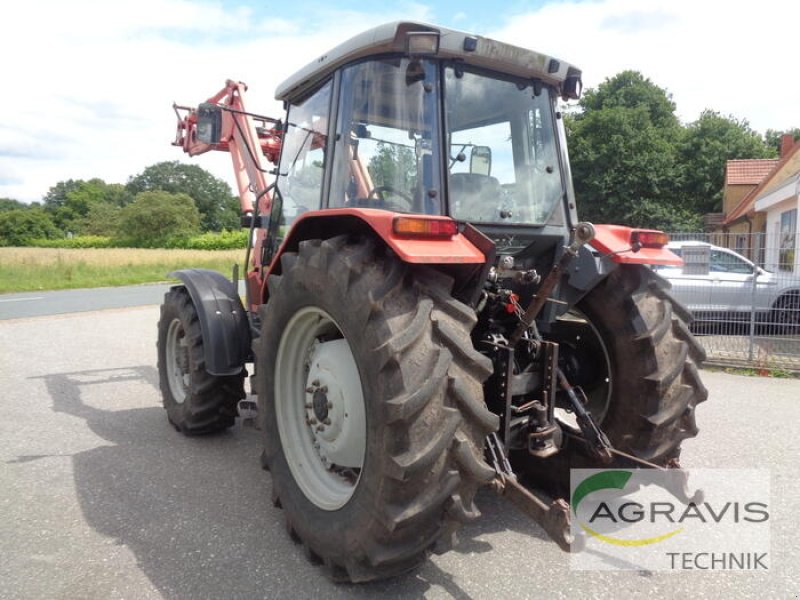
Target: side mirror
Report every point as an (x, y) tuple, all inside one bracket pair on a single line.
[(480, 160), (209, 123), (572, 87)]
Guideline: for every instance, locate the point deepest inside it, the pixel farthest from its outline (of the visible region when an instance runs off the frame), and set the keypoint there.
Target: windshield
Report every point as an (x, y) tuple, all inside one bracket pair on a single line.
[(503, 165)]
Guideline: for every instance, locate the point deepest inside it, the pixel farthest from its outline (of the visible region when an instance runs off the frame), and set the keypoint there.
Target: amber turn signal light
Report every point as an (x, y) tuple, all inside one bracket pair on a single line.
[(424, 227), (649, 238)]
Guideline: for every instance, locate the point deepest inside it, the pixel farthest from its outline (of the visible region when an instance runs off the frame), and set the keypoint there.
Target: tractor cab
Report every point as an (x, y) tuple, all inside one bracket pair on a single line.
[(415, 119)]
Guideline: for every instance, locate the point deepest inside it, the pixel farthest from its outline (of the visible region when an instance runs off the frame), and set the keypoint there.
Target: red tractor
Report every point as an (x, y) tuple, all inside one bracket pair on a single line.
[(424, 312)]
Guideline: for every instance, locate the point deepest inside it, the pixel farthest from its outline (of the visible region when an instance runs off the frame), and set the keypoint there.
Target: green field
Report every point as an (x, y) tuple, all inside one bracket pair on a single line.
[(29, 269)]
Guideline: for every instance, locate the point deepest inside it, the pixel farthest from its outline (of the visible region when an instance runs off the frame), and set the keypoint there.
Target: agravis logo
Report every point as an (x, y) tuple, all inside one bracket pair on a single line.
[(611, 480), (648, 519)]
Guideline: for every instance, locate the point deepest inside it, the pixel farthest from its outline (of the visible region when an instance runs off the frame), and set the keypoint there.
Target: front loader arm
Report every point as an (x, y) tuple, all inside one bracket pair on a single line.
[(222, 123)]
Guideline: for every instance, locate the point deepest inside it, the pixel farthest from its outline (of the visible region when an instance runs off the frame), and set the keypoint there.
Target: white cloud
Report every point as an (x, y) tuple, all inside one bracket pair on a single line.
[(88, 85), (89, 90), (733, 58)]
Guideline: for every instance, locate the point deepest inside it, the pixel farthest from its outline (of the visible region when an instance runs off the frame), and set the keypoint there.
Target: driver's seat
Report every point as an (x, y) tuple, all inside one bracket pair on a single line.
[(474, 196)]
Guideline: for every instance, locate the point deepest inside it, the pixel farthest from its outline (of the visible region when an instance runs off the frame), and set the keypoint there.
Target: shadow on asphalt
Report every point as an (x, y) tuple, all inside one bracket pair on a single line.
[(196, 512)]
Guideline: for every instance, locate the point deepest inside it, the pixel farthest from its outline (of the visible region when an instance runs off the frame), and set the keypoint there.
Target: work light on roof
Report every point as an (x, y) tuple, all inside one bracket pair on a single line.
[(422, 43)]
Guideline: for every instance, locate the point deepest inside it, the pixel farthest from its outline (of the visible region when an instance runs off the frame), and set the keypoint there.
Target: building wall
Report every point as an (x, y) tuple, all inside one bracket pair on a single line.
[(789, 168), (732, 195), (773, 236), (747, 238)]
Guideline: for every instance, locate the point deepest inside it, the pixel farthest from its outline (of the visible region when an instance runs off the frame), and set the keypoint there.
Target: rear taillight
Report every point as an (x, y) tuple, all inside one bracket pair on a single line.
[(648, 238), (424, 227)]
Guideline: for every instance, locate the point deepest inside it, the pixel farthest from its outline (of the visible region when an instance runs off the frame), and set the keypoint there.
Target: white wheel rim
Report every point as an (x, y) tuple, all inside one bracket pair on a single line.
[(177, 361), (319, 408)]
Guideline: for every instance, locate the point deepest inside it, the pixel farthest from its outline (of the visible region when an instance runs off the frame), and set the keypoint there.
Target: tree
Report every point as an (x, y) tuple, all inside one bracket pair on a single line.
[(70, 202), (20, 226), (56, 196), (705, 148), (10, 204), (102, 218), (393, 166), (631, 89), (159, 219), (623, 155), (773, 137), (211, 195)]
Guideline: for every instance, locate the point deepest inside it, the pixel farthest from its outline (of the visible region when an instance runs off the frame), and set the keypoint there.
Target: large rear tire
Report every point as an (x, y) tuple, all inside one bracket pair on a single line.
[(196, 401), (655, 385), (628, 346), (378, 354)]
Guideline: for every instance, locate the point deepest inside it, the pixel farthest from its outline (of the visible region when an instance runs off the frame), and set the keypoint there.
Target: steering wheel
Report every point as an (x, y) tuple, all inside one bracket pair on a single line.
[(380, 191)]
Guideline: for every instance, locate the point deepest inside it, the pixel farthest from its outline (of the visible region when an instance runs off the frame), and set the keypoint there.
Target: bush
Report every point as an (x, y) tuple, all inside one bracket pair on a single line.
[(20, 226), (79, 241), (159, 220), (224, 240)]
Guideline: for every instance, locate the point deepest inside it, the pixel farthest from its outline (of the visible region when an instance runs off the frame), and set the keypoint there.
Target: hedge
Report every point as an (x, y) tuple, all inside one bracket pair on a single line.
[(79, 241), (224, 240)]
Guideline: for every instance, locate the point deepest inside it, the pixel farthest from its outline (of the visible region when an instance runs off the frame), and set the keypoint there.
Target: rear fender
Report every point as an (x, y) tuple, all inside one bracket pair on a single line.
[(610, 249), (614, 241), (458, 255), (223, 320)]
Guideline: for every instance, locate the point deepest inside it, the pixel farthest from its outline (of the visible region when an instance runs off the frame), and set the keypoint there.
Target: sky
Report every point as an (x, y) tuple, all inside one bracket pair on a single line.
[(88, 85)]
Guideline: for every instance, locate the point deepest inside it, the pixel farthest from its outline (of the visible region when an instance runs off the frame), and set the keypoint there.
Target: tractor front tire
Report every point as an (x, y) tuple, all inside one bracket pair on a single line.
[(196, 401), (370, 395)]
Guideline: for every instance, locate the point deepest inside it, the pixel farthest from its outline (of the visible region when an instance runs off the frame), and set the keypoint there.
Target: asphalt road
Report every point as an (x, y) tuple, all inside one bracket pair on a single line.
[(38, 304), (100, 498)]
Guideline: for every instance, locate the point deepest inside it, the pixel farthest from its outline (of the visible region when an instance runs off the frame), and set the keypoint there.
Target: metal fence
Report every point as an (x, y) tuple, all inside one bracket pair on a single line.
[(744, 292)]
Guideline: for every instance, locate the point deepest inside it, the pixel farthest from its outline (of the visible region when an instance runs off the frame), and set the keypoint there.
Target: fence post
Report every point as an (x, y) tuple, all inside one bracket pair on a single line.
[(752, 317)]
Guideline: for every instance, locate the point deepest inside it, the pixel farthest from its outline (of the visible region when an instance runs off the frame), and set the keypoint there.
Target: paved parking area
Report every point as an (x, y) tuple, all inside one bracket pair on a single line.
[(100, 498)]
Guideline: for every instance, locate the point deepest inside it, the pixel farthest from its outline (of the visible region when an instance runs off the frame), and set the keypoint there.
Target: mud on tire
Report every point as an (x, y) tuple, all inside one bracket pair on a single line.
[(196, 401), (425, 415)]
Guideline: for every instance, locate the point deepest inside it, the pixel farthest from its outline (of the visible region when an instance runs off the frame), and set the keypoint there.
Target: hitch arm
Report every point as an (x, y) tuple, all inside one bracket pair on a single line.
[(554, 518)]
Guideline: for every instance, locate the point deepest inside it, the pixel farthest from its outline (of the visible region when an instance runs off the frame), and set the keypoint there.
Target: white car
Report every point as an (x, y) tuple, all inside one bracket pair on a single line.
[(719, 284)]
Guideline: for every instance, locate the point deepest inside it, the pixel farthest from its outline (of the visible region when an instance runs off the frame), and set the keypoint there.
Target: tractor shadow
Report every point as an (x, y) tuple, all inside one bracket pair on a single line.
[(196, 512)]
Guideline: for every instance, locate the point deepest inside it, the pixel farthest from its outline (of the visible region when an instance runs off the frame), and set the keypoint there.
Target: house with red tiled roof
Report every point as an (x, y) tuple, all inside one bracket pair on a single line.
[(745, 182)]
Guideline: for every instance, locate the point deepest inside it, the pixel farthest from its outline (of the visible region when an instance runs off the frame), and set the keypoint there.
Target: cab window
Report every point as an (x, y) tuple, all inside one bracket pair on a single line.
[(302, 161)]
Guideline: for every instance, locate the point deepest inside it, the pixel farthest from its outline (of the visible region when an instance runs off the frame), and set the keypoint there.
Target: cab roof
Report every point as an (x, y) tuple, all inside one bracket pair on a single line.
[(392, 38)]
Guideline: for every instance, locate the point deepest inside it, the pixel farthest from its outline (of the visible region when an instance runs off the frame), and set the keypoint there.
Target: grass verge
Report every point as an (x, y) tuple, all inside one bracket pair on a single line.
[(29, 269)]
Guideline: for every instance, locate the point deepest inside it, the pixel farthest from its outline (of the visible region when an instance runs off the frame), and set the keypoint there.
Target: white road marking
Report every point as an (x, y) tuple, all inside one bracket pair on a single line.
[(21, 299)]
